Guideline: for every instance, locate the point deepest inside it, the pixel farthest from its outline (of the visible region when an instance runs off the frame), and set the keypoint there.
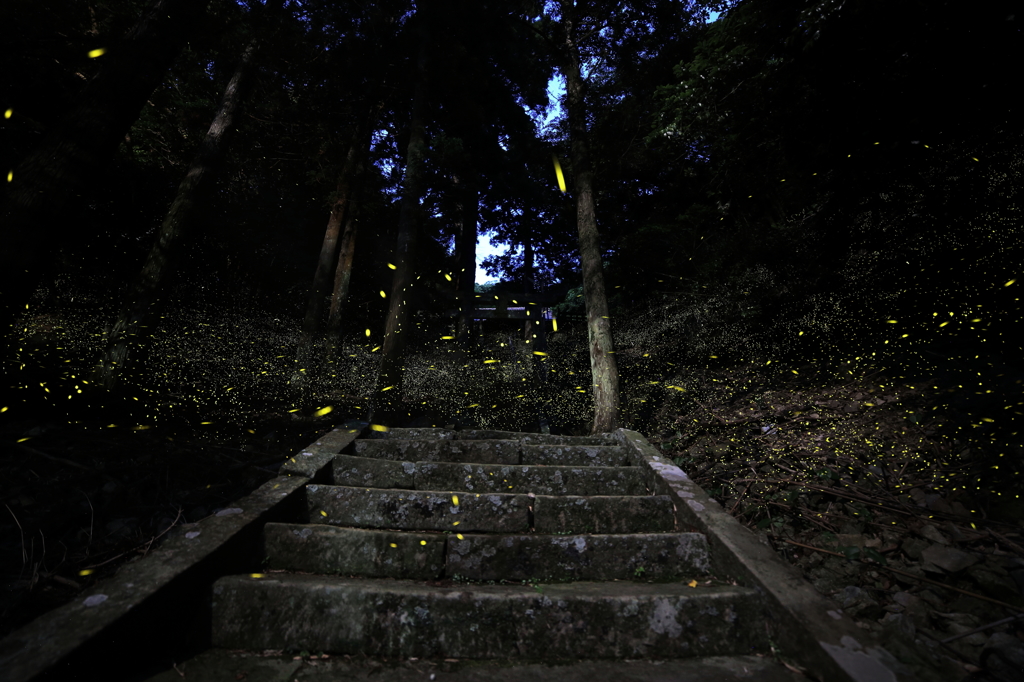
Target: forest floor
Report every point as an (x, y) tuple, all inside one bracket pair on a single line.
[(871, 507), (843, 485)]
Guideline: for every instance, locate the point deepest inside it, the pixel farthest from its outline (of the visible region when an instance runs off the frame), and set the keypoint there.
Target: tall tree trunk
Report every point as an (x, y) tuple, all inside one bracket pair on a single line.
[(343, 276), (386, 404), (77, 150), (528, 280), (603, 368), (465, 252), (534, 333), (326, 263), (343, 271), (141, 302)]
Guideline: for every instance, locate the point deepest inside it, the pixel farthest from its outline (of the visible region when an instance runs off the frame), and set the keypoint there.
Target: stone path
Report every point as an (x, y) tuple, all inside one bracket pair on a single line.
[(486, 545)]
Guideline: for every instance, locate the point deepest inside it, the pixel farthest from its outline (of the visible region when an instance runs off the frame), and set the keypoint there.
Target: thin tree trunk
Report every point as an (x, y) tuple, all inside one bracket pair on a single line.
[(465, 251), (75, 152), (386, 403), (534, 336), (343, 272), (528, 281), (142, 299), (603, 368)]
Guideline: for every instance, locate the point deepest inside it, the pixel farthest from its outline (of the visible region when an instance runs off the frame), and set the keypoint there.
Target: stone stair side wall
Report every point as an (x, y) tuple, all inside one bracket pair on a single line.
[(804, 625)]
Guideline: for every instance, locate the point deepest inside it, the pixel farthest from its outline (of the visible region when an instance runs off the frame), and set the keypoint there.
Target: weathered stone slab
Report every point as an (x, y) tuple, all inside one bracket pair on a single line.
[(648, 556), (540, 480), (217, 665), (803, 623), (405, 619), (575, 455), (317, 456), (603, 514), (354, 551), (482, 451), (417, 510), (411, 434), (536, 438), (367, 472), (118, 618)]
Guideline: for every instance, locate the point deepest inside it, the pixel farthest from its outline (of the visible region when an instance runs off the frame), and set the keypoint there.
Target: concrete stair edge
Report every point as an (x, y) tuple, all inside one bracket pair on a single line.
[(456, 511), (371, 472), (217, 665), (803, 624), (332, 550), (387, 617)]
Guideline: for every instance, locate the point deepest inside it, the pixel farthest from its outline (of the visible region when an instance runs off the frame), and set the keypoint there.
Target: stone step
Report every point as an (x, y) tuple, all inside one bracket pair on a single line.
[(480, 434), (491, 452), (403, 618), (499, 478), (329, 550), (487, 512), (536, 438), (217, 665)]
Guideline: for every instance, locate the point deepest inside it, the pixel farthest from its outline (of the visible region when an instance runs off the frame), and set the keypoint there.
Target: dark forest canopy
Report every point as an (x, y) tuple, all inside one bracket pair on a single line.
[(799, 181)]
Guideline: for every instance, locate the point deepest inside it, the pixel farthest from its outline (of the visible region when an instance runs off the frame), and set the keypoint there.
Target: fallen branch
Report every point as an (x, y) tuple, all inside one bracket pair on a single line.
[(910, 575), (53, 458)]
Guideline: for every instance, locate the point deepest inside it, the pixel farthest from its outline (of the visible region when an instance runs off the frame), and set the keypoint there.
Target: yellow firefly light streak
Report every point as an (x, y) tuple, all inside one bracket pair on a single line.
[(558, 172)]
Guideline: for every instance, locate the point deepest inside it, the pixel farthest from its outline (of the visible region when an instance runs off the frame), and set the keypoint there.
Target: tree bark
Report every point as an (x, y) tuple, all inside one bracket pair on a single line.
[(75, 152), (141, 301), (465, 257), (343, 271), (386, 407), (603, 367), (327, 261), (534, 332)]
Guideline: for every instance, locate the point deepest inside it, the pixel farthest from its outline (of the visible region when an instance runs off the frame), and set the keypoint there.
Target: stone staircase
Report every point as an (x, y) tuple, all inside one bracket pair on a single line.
[(487, 545), (460, 556)]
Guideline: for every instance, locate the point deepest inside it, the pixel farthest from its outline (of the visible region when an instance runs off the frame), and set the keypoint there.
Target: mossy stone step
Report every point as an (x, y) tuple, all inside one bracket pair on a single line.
[(651, 556), (487, 512), (428, 556), (217, 665), (417, 509), (491, 452), (536, 438), (499, 478), (383, 617), (483, 434)]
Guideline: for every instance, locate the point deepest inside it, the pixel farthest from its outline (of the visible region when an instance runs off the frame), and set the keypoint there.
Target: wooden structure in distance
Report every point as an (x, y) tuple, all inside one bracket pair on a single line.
[(505, 306)]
